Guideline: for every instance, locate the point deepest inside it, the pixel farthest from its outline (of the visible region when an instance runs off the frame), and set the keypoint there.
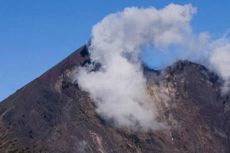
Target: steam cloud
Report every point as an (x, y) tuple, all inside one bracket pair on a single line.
[(220, 61), (118, 88)]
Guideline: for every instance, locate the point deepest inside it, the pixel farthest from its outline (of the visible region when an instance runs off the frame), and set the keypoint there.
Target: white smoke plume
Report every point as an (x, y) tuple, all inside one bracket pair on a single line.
[(118, 88), (220, 61)]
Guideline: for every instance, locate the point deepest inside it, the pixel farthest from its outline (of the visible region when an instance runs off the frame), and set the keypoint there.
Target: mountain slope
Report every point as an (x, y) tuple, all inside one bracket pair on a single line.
[(53, 115)]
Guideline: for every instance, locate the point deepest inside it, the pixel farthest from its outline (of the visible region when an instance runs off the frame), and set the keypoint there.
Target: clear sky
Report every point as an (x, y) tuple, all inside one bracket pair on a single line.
[(35, 35)]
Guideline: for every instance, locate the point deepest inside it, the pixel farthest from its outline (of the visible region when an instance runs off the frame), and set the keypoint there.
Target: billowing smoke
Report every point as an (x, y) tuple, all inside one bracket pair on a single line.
[(220, 61), (118, 88)]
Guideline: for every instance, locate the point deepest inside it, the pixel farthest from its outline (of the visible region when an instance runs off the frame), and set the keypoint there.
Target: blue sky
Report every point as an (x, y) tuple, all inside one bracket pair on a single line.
[(35, 35)]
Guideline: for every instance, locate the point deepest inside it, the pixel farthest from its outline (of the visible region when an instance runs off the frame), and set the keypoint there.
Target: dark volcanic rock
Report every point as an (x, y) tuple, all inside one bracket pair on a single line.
[(52, 115)]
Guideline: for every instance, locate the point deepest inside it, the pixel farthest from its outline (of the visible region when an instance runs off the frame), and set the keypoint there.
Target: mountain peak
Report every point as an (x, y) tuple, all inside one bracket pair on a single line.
[(52, 114)]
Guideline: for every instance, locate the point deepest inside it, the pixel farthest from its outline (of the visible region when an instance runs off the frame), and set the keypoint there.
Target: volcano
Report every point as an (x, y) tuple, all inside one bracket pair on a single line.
[(52, 114)]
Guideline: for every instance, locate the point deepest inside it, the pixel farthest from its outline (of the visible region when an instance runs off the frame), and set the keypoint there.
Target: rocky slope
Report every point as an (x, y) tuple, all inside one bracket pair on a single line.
[(53, 115)]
